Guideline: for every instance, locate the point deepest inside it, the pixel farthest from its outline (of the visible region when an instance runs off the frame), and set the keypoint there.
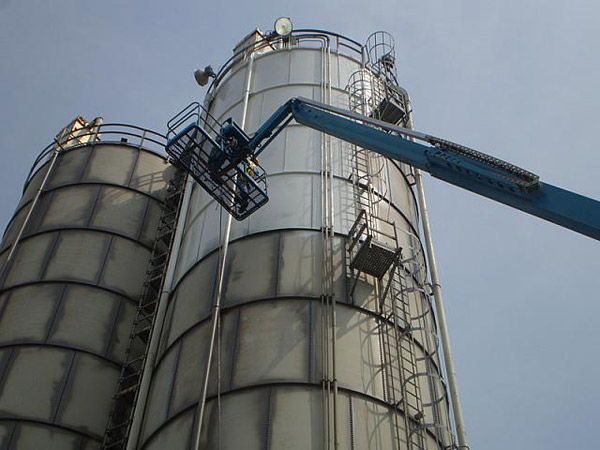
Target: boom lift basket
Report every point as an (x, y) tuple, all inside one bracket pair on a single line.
[(215, 156)]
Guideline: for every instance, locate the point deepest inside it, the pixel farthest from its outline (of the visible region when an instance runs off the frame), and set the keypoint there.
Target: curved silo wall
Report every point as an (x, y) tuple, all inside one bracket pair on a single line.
[(68, 297), (272, 335)]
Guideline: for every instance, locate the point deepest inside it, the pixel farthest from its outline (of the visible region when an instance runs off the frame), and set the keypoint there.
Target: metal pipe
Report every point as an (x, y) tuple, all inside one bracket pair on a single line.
[(38, 193), (216, 308), (461, 433), (140, 406)]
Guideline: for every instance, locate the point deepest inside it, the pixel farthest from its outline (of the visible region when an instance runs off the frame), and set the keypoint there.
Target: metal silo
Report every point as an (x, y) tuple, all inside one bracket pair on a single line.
[(324, 331), (72, 265)]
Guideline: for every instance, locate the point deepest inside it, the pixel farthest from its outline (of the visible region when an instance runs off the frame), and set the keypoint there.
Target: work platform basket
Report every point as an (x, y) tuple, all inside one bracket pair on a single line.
[(196, 143)]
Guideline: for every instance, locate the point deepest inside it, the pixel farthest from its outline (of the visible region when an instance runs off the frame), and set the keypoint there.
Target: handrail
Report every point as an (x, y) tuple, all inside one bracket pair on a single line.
[(298, 36), (115, 132)]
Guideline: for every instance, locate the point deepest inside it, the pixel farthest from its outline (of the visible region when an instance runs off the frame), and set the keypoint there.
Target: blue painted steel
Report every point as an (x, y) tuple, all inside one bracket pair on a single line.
[(559, 206), (457, 165)]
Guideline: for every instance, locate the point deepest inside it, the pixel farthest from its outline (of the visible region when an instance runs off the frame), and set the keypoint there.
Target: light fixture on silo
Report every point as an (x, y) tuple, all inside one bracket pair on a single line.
[(203, 75), (283, 26)]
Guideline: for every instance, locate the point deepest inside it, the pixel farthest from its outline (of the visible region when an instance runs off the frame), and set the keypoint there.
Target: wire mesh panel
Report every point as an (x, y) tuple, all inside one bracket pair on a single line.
[(217, 161)]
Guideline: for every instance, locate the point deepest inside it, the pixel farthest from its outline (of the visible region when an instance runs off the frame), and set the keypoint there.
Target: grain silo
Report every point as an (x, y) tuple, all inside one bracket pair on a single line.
[(315, 312), (74, 257)]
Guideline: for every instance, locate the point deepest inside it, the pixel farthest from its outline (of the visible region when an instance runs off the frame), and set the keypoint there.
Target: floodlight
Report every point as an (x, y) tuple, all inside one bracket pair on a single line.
[(283, 26), (202, 76)]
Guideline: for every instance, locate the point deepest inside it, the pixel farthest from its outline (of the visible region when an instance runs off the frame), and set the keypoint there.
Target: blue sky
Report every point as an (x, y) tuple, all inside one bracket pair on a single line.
[(516, 79)]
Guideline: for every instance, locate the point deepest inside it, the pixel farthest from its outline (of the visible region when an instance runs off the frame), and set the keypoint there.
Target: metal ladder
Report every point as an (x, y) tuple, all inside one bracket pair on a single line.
[(125, 397), (402, 360)]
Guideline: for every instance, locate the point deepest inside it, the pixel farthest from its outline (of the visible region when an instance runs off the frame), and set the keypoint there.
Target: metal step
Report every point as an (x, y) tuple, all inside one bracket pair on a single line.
[(119, 422)]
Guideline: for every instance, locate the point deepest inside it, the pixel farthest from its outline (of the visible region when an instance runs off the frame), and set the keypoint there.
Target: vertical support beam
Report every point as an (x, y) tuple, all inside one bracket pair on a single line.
[(161, 312), (216, 308), (461, 432), (463, 443), (57, 149)]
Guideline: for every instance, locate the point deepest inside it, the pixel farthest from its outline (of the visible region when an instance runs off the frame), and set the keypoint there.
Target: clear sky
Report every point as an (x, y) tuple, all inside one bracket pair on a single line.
[(516, 79)]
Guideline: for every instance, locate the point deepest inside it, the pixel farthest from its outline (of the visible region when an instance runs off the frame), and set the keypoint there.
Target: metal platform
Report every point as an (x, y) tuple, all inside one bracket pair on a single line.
[(373, 258), (236, 181)]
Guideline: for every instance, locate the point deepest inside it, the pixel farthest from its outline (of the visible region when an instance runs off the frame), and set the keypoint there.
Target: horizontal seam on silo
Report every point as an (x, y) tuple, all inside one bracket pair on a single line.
[(71, 228), (87, 183), (135, 301), (235, 67), (28, 344), (212, 202), (69, 428), (308, 386), (104, 143), (239, 306), (254, 234)]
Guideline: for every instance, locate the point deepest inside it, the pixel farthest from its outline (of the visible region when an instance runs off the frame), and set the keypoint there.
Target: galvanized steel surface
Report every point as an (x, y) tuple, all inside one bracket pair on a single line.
[(69, 295), (269, 393)]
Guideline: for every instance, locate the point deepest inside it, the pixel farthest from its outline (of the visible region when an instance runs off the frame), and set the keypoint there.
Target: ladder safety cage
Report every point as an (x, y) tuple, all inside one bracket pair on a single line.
[(218, 157)]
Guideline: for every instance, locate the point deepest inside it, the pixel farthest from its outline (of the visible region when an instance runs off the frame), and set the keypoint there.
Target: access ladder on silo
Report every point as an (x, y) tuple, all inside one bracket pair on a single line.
[(125, 397)]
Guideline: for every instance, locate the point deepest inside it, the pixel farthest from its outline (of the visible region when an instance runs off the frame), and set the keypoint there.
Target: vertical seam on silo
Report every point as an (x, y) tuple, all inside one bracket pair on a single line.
[(64, 386), (268, 420), (86, 165), (133, 167), (143, 220), (12, 435), (49, 254), (104, 259), (310, 340), (113, 330), (9, 360), (351, 419), (278, 262), (5, 303), (174, 378), (236, 334), (55, 313), (99, 192), (45, 206)]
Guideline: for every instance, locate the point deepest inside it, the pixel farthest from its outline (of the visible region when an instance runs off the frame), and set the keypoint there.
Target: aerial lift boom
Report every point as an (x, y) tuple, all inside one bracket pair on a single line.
[(223, 159)]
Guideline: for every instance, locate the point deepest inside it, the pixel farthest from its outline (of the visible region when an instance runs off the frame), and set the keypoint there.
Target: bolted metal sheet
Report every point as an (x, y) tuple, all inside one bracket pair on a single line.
[(300, 268), (175, 436), (264, 354), (160, 392), (28, 312), (85, 319), (28, 436), (86, 401), (151, 174), (246, 412), (119, 210), (296, 419), (52, 330), (70, 167), (358, 350), (70, 206), (29, 259), (192, 300), (125, 267), (251, 271), (110, 164), (78, 255), (34, 382)]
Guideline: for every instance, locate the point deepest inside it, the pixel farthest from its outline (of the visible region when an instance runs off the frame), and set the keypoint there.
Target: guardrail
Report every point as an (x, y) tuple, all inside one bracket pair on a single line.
[(106, 133)]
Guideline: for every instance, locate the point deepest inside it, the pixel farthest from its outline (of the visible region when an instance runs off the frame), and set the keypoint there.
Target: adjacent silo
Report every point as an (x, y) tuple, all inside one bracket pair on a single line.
[(312, 351), (77, 250)]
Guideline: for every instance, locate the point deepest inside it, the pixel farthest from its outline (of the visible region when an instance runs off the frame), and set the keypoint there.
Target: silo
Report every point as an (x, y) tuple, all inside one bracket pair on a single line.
[(73, 260), (325, 335)]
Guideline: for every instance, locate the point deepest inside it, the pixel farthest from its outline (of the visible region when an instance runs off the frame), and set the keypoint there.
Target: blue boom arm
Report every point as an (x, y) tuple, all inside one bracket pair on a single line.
[(453, 163)]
